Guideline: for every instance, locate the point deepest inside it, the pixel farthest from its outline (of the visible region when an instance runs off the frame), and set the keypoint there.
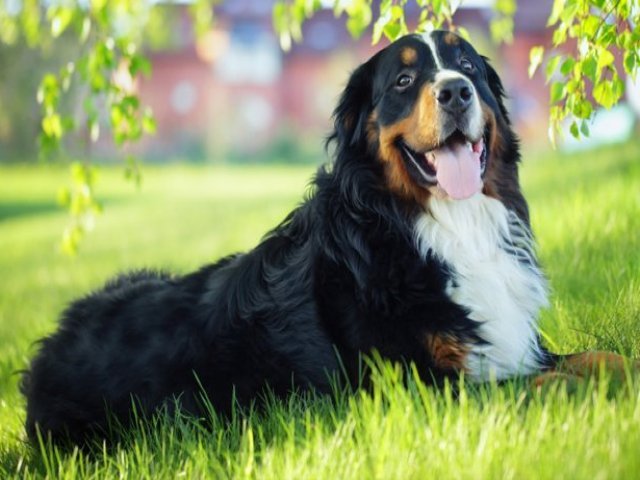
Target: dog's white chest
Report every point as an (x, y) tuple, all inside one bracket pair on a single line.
[(495, 278)]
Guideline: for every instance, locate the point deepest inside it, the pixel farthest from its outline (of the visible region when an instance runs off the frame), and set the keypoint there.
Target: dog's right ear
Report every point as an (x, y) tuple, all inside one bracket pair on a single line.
[(356, 104)]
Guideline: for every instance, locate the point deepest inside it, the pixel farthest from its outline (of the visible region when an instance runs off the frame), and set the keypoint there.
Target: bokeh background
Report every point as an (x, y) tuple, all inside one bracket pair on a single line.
[(233, 95)]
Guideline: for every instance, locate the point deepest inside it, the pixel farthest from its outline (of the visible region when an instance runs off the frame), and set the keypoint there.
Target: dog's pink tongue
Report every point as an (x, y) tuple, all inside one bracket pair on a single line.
[(458, 170)]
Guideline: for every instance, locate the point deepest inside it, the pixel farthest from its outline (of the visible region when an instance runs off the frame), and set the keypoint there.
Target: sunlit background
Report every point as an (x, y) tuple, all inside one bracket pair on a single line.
[(233, 95)]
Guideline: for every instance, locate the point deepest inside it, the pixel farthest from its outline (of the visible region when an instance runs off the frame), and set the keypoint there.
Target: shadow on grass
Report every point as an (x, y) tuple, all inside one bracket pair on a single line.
[(12, 210), (222, 446), (296, 420), (175, 432)]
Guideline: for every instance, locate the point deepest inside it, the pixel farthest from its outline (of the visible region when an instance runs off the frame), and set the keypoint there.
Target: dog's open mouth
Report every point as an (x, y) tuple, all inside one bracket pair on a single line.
[(457, 165)]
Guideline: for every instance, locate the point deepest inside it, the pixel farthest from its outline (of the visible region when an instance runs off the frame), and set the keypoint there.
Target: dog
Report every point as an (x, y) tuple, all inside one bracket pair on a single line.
[(415, 243)]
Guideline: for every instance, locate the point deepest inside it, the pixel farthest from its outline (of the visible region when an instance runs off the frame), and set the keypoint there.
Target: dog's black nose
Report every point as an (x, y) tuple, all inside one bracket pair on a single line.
[(455, 95)]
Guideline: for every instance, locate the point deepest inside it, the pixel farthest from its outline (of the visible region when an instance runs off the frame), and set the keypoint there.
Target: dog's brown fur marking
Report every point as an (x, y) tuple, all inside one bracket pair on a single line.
[(447, 352), (420, 130), (408, 55), (553, 377), (590, 362), (495, 146), (451, 39), (372, 128)]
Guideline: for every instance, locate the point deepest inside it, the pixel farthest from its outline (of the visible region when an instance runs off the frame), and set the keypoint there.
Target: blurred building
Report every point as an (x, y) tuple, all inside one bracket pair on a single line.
[(234, 94)]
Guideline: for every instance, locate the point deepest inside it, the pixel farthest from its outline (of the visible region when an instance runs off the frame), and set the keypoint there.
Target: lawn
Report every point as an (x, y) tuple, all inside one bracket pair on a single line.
[(586, 215)]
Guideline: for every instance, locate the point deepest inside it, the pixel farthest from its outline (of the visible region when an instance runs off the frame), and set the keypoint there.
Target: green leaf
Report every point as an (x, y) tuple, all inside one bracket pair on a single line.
[(139, 64), (116, 116), (202, 14), (602, 93), (625, 40), (574, 130), (608, 35), (104, 55), (98, 83), (97, 5), (397, 12), (590, 25), (278, 16), (568, 13), (71, 240), (359, 18), (567, 66), (436, 6), (86, 29), (605, 58), (148, 122), (589, 68), (78, 173), (60, 18), (584, 128), (557, 92), (392, 30), (618, 87), (66, 73), (552, 65), (52, 126), (556, 10), (30, 21), (608, 92), (380, 24), (574, 85), (505, 7), (502, 29), (560, 34), (49, 91), (463, 32), (130, 102), (535, 59), (390, 23), (583, 109), (630, 62)]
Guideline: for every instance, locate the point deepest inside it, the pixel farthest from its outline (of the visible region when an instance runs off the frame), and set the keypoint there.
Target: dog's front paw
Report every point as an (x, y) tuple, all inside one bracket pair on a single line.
[(551, 378), (591, 363)]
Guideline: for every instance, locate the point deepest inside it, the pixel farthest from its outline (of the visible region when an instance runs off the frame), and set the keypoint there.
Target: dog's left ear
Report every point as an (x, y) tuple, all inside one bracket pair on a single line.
[(354, 107), (495, 84)]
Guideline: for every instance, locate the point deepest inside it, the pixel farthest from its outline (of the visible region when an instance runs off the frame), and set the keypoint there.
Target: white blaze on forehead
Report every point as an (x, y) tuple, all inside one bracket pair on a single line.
[(428, 39), (476, 121), (448, 74)]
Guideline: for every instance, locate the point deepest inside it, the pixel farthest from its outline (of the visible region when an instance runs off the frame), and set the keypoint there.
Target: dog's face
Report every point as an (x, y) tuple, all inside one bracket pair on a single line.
[(429, 107)]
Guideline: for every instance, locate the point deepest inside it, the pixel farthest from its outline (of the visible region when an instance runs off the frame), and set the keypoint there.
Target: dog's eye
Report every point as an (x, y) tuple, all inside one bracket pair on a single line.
[(404, 81), (466, 65)]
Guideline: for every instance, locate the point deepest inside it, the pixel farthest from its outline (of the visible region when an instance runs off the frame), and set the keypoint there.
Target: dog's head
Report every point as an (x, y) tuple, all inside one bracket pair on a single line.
[(430, 109)]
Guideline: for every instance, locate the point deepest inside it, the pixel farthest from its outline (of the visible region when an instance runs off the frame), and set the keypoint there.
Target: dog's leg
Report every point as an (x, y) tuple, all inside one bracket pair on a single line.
[(577, 367), (551, 377), (590, 363)]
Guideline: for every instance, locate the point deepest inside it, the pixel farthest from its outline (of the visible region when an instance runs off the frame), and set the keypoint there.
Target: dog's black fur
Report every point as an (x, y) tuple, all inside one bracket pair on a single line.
[(340, 277)]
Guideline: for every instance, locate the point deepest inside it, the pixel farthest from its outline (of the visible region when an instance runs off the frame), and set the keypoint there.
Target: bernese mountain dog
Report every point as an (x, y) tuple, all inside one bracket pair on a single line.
[(415, 243)]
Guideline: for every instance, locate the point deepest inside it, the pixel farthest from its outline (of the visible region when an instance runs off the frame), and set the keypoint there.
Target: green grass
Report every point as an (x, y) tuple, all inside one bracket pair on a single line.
[(586, 214)]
